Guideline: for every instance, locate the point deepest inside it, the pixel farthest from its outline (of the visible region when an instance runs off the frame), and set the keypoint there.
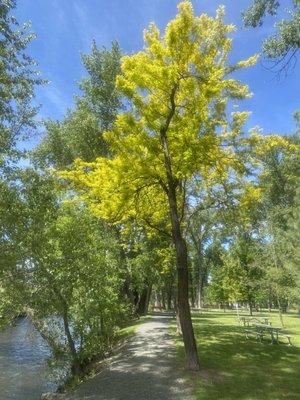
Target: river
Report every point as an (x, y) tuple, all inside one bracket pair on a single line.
[(23, 367)]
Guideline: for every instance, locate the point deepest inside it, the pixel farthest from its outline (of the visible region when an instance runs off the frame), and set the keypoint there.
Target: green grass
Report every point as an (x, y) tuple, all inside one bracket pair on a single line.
[(234, 368), (130, 328)]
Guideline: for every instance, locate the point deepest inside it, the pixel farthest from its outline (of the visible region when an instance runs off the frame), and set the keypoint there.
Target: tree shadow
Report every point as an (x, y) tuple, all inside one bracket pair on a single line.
[(241, 369), (144, 369)]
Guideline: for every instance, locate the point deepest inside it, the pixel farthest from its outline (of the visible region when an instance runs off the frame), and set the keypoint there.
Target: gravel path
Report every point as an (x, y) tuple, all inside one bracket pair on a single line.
[(144, 369)]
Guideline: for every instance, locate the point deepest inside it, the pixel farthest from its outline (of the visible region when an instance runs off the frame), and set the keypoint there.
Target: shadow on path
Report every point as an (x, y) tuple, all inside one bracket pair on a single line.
[(144, 369)]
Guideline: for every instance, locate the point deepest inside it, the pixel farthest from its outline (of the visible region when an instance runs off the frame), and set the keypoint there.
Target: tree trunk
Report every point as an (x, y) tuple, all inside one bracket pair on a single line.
[(269, 303), (280, 313), (143, 303), (183, 291), (163, 300), (250, 308), (169, 299), (76, 367), (200, 274), (199, 293), (191, 353)]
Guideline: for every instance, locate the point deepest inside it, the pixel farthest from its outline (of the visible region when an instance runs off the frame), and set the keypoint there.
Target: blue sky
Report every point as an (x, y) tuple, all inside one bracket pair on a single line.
[(65, 29)]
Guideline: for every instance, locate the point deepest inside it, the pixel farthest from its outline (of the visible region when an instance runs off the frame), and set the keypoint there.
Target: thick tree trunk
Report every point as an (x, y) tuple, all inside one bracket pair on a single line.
[(143, 303), (184, 311)]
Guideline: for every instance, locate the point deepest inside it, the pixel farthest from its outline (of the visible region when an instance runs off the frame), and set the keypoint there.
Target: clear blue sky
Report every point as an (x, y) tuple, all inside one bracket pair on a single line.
[(65, 29)]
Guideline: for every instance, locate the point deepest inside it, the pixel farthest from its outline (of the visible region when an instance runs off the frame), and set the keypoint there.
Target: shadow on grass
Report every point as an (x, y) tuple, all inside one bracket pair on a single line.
[(235, 368)]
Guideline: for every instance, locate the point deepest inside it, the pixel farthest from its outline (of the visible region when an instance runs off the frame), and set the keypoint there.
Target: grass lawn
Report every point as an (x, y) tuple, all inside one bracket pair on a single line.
[(234, 368)]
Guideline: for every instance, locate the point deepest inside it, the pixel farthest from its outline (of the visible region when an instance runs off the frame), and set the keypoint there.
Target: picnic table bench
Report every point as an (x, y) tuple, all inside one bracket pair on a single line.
[(246, 321), (261, 329)]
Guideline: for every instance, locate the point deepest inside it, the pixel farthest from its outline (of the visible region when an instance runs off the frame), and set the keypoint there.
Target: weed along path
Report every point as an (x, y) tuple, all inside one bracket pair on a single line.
[(144, 369)]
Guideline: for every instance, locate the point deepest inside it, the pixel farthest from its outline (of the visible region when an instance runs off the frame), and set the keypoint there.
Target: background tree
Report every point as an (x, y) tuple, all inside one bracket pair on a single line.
[(279, 181), (18, 78), (80, 133), (283, 46)]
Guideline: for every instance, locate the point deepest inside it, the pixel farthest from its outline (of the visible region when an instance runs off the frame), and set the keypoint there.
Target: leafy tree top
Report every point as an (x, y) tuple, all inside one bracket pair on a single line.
[(177, 89)]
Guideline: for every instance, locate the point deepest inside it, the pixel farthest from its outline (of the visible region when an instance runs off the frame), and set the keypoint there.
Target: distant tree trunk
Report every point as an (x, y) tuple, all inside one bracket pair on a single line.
[(163, 300), (169, 298), (200, 275), (280, 313), (269, 303), (193, 291), (250, 305), (200, 292), (143, 302), (126, 291)]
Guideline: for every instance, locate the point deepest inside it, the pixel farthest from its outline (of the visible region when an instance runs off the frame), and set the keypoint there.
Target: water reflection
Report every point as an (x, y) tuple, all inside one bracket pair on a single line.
[(23, 367)]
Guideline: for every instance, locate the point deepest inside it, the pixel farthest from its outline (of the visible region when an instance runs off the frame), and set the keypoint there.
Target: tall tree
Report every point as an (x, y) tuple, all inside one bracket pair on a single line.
[(18, 78), (279, 180), (175, 128)]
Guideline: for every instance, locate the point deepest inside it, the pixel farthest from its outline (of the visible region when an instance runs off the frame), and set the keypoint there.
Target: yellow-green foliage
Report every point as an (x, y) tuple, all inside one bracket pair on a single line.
[(185, 69)]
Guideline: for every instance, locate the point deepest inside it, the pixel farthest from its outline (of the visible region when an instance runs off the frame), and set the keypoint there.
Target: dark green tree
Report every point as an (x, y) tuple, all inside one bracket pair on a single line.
[(79, 134)]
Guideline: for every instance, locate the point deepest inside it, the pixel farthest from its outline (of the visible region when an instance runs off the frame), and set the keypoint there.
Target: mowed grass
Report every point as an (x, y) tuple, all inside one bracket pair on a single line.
[(234, 368)]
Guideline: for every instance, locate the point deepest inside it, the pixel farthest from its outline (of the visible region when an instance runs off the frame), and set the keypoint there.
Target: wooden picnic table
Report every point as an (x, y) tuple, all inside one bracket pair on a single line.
[(252, 320), (272, 330)]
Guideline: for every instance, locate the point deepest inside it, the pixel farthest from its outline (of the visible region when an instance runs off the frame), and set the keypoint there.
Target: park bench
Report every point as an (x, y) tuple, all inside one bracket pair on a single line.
[(289, 337)]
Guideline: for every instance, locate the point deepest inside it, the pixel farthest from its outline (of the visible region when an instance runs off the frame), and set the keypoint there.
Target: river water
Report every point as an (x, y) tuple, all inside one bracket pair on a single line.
[(23, 368)]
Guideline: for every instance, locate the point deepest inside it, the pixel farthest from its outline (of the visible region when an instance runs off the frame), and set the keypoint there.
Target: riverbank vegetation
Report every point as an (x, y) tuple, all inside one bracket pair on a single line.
[(148, 191)]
